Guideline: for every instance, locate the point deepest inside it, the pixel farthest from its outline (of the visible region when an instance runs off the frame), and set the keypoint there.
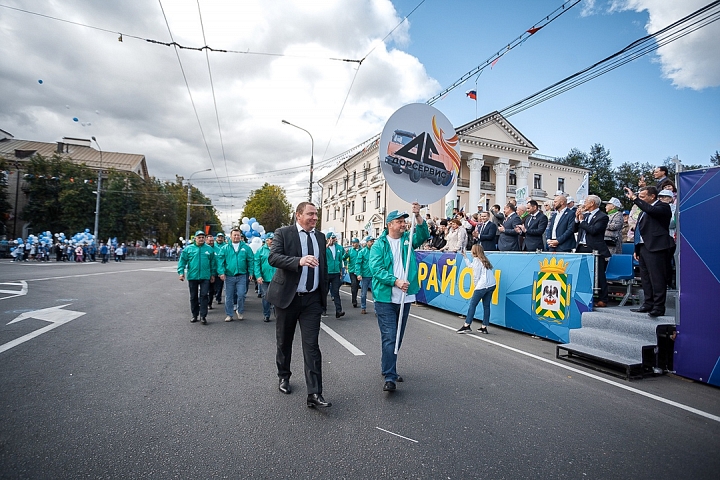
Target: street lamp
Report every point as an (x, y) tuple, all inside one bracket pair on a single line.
[(187, 215), (97, 198), (312, 152)]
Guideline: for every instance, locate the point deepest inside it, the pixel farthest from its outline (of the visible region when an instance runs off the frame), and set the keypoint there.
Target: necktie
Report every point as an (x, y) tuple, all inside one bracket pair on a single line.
[(310, 282), (587, 219)]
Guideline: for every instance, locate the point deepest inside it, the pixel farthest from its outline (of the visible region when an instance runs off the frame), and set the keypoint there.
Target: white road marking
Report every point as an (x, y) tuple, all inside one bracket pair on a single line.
[(391, 433), (55, 315), (14, 293), (341, 340), (651, 396)]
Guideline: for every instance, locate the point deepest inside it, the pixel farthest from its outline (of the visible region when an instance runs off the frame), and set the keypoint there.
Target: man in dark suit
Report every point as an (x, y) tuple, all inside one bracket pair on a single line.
[(560, 233), (509, 236), (534, 227), (591, 223), (487, 233), (651, 248), (299, 292)]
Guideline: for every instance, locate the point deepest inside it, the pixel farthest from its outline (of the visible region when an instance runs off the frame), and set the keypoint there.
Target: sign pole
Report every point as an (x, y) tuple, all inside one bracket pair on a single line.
[(405, 276)]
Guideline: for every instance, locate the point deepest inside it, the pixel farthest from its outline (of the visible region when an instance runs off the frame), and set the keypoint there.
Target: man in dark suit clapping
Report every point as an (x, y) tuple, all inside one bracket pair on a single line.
[(534, 227), (652, 247), (487, 233), (299, 292), (590, 223), (560, 233), (509, 236)]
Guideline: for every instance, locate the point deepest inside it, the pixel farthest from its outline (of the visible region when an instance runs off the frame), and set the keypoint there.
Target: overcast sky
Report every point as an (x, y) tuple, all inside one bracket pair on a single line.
[(132, 95)]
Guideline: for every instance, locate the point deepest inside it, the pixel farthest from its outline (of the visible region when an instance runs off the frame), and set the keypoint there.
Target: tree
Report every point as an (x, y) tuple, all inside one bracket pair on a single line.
[(269, 206), (576, 158), (715, 159), (4, 203)]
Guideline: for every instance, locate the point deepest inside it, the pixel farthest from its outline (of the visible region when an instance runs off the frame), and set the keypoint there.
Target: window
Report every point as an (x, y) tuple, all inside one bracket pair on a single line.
[(354, 178), (329, 191), (379, 169), (364, 203), (364, 175), (345, 183), (513, 178), (377, 199), (327, 217), (537, 181), (377, 232), (485, 174), (561, 184), (343, 213), (334, 214), (352, 208), (336, 186)]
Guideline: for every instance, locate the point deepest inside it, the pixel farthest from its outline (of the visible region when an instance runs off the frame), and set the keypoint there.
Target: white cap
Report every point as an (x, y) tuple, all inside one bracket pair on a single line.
[(615, 202), (666, 193), (570, 199)]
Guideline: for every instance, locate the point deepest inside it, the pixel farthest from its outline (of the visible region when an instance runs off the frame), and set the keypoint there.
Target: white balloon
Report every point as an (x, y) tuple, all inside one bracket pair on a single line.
[(245, 227), (245, 220)]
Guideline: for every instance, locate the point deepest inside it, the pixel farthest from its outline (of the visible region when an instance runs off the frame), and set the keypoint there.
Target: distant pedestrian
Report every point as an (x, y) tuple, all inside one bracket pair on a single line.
[(363, 272), (264, 273)]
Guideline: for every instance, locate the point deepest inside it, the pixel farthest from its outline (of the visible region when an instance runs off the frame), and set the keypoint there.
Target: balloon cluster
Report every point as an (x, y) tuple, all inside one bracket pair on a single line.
[(254, 232), (45, 239)]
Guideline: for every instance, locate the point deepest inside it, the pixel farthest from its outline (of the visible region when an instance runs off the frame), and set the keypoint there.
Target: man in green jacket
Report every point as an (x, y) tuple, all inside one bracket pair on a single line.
[(363, 272), (199, 261), (351, 256), (335, 263), (218, 287), (235, 263), (390, 281), (264, 273)]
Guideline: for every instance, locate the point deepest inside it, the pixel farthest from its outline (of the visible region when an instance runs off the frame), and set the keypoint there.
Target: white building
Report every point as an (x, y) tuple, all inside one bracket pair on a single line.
[(496, 160)]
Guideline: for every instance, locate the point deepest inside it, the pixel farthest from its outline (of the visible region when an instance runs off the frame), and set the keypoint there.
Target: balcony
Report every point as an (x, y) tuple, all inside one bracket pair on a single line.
[(462, 182), (487, 186), (538, 192), (511, 189)]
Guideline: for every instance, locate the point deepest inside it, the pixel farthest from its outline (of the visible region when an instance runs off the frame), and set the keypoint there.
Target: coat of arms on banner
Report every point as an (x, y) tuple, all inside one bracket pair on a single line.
[(551, 292)]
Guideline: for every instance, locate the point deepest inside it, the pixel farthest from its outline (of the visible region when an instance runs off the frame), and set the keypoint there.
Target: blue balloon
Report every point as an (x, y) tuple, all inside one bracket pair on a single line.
[(75, 119), (40, 82), (87, 230), (252, 220)]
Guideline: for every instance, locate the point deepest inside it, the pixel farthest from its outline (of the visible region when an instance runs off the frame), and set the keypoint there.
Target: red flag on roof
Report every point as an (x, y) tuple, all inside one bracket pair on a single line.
[(472, 94)]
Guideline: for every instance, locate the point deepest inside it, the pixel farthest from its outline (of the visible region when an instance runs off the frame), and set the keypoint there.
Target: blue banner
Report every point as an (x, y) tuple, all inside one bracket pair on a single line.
[(540, 294)]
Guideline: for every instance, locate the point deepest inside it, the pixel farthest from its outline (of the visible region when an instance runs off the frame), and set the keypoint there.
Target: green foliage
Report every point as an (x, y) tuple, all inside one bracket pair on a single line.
[(61, 199), (575, 158), (269, 206), (4, 203), (715, 159), (601, 181)]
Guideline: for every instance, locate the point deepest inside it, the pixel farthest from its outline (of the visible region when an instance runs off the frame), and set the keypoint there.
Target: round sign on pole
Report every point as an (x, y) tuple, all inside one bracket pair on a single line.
[(419, 153)]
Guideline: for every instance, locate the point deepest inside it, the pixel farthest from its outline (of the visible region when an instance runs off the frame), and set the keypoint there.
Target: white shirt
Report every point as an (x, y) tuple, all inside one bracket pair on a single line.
[(555, 223), (398, 270), (303, 243), (482, 277), (236, 246)]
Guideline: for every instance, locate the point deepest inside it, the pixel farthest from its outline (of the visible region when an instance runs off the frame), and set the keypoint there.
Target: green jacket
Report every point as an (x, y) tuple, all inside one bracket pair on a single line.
[(335, 265), (234, 263), (362, 263), (219, 247), (381, 263), (262, 267), (352, 255), (200, 262)]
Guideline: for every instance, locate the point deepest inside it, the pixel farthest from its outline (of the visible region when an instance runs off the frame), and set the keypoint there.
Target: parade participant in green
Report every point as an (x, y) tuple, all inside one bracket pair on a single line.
[(218, 287), (392, 285), (335, 264), (363, 272), (198, 259), (264, 273), (235, 263), (351, 256)]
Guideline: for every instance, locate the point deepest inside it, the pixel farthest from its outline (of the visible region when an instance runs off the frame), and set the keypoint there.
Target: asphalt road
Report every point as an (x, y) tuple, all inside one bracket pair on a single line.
[(129, 388)]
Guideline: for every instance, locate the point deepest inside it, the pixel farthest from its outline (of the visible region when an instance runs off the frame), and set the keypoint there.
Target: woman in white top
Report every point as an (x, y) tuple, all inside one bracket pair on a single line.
[(456, 238), (484, 280)]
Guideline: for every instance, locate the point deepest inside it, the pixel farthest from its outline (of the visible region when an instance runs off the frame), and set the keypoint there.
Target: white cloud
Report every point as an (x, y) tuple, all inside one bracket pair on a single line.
[(692, 61), (143, 102)]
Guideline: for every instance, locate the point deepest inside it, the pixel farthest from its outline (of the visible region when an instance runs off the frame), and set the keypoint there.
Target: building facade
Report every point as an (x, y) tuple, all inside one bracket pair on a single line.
[(17, 153), (496, 160)]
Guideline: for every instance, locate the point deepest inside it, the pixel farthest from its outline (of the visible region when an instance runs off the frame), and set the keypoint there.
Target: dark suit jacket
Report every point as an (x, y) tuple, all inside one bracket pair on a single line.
[(565, 231), (508, 241), (534, 230), (595, 233), (654, 225), (285, 255), (487, 237)]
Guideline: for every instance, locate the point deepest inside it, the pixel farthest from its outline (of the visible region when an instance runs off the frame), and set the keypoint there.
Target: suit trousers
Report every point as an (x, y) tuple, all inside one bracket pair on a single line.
[(354, 287), (334, 289), (306, 311), (601, 266), (653, 277)]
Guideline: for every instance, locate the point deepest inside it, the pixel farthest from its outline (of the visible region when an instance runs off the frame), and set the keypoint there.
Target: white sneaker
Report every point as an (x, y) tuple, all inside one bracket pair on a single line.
[(228, 318), (239, 315)]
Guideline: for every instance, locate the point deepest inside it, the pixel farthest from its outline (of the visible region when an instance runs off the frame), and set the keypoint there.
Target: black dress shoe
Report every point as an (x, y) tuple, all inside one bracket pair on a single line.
[(339, 314), (400, 379), (284, 386), (317, 400), (194, 319), (204, 321), (389, 387), (655, 313), (355, 305), (640, 310)]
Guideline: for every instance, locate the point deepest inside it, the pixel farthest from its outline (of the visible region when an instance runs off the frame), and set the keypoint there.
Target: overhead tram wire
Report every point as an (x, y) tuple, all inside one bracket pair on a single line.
[(686, 25), (187, 85), (173, 43), (217, 115), (554, 15)]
